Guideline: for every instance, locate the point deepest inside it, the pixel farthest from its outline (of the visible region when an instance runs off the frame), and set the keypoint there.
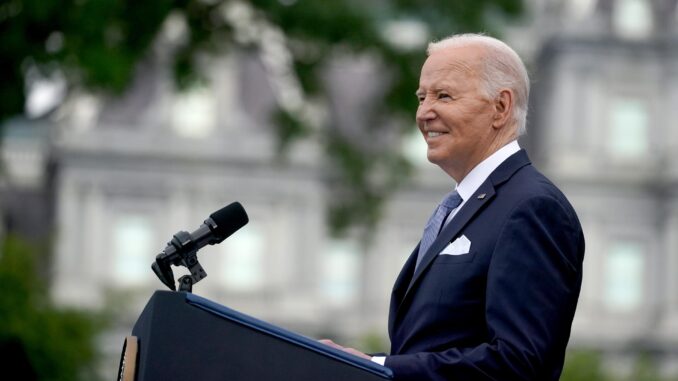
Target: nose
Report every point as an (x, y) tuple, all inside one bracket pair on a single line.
[(425, 111)]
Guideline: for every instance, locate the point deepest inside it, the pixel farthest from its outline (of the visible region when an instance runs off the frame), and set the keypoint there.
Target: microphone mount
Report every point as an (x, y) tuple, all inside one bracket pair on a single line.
[(182, 250), (185, 254)]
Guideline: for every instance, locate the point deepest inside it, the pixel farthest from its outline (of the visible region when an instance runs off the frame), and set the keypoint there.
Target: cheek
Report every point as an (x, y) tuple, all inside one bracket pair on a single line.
[(451, 120), (478, 122)]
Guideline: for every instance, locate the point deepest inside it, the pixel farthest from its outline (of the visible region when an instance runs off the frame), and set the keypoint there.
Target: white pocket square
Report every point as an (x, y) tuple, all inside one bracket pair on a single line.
[(460, 246)]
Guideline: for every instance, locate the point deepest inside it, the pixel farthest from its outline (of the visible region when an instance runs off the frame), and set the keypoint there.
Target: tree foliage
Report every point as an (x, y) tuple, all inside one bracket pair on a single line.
[(38, 340), (586, 365), (583, 366), (95, 44)]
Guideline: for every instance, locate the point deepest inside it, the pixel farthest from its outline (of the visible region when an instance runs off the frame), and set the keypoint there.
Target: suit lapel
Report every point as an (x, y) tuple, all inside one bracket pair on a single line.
[(465, 214), (470, 208), (405, 276), (401, 285)]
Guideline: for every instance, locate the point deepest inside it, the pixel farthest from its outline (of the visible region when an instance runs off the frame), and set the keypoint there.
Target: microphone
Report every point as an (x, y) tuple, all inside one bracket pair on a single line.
[(183, 248)]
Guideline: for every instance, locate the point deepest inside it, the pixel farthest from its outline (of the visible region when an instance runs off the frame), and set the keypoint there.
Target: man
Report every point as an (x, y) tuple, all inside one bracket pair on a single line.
[(491, 290)]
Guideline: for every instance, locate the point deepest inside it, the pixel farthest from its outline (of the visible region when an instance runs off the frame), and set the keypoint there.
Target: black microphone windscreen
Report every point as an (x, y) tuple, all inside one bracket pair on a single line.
[(229, 219)]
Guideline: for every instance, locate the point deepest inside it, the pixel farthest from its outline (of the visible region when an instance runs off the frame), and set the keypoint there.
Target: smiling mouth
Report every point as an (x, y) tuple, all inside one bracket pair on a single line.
[(432, 134)]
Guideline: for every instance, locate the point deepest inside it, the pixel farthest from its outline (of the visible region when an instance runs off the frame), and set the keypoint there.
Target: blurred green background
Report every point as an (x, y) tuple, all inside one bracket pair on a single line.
[(55, 55)]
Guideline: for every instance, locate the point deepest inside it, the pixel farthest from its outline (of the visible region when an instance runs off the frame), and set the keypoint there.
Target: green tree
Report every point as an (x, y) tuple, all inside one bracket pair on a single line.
[(96, 44), (586, 365), (45, 342), (645, 369), (583, 365)]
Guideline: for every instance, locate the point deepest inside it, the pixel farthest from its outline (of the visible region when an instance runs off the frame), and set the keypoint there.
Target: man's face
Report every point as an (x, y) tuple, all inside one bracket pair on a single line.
[(454, 115)]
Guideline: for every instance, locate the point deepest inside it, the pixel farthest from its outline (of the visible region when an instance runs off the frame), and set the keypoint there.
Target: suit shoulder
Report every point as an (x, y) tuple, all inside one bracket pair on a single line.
[(529, 186)]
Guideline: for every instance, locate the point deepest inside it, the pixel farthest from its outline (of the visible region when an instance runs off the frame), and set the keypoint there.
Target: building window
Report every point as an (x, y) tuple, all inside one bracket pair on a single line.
[(629, 123), (340, 269), (406, 35), (242, 264), (133, 248), (581, 9), (633, 18), (624, 276), (194, 113)]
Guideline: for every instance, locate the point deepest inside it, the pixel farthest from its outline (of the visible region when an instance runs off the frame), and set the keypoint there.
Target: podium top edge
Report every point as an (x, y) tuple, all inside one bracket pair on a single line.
[(284, 334)]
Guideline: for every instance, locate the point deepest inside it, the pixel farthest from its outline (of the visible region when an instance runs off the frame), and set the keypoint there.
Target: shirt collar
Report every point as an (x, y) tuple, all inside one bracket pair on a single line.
[(482, 171)]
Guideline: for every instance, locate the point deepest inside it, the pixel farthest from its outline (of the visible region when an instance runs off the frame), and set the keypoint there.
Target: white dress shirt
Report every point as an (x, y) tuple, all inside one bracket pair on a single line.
[(470, 184)]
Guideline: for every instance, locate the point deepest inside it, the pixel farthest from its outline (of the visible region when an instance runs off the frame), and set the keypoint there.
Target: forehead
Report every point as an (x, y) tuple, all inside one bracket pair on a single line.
[(451, 63)]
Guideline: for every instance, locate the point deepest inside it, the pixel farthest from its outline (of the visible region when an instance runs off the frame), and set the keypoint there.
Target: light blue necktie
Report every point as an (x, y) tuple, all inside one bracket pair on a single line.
[(435, 223)]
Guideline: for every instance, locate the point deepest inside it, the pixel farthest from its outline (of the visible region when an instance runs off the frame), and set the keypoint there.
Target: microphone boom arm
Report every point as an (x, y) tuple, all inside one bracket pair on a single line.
[(181, 251)]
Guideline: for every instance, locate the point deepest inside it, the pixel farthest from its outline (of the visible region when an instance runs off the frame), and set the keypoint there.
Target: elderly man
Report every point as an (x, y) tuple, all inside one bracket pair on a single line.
[(491, 290)]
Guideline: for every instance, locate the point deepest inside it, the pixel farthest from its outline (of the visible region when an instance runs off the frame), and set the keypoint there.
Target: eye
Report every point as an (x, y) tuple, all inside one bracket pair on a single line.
[(444, 96), (421, 98)]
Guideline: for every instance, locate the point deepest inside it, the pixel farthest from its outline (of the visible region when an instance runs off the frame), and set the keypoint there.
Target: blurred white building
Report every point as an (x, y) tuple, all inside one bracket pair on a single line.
[(130, 172), (603, 127)]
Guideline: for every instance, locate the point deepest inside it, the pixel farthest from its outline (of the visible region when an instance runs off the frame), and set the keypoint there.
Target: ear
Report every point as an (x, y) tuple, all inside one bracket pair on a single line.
[(503, 108)]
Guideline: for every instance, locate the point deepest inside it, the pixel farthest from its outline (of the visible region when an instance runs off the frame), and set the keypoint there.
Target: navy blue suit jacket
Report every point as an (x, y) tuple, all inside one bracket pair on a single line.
[(504, 310)]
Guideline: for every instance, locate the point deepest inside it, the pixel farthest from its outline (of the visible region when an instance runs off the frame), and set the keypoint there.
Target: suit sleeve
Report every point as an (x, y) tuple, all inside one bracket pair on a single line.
[(533, 284)]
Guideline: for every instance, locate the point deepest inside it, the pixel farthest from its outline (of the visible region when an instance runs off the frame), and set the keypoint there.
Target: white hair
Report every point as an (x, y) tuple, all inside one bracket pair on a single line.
[(502, 68)]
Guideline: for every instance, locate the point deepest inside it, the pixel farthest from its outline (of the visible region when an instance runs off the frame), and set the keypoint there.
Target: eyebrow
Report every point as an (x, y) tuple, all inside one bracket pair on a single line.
[(437, 88)]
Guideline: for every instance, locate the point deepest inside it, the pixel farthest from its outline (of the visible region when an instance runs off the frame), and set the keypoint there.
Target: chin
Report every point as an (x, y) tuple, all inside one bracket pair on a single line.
[(436, 157)]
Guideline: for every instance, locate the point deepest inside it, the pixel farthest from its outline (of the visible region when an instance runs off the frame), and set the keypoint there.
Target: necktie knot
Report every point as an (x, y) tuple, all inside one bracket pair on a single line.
[(451, 201)]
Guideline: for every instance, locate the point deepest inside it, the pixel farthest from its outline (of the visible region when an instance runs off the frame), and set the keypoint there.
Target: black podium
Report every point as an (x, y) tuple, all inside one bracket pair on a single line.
[(181, 336)]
